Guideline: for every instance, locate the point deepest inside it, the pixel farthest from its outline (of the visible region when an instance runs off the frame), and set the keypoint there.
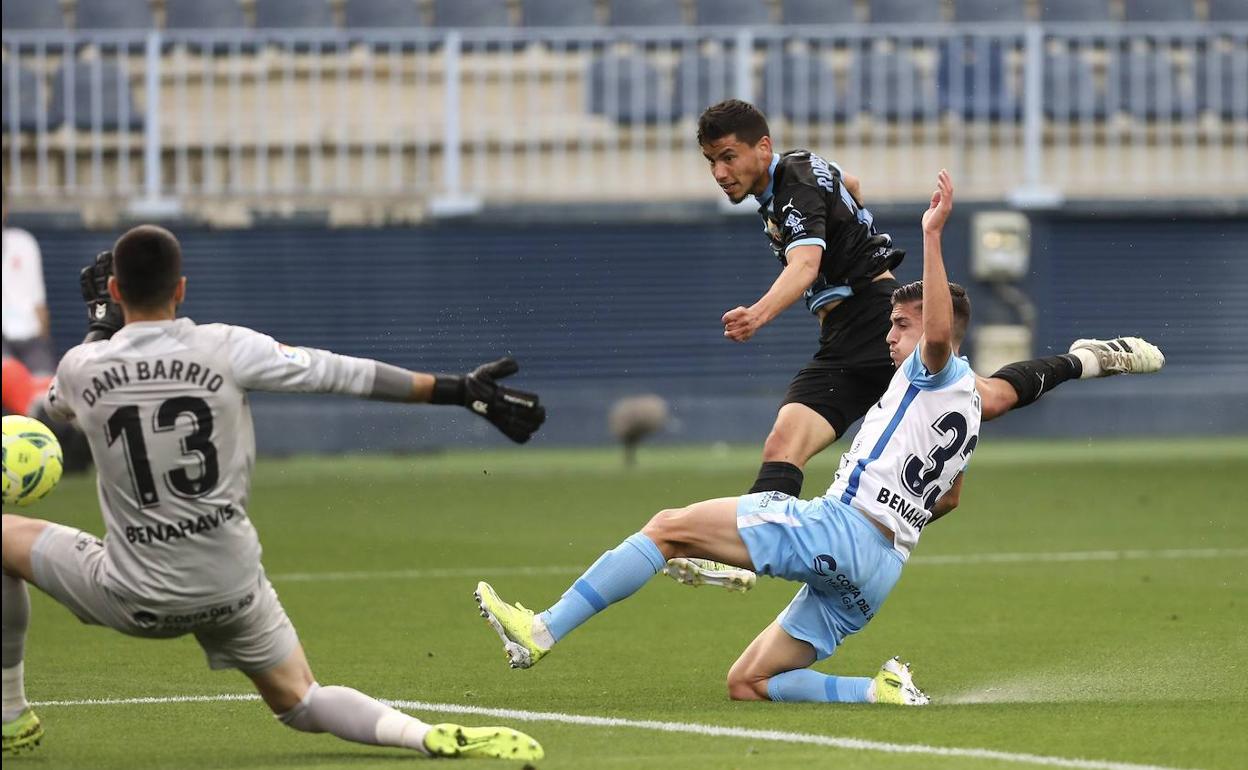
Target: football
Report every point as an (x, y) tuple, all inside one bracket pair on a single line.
[(32, 460)]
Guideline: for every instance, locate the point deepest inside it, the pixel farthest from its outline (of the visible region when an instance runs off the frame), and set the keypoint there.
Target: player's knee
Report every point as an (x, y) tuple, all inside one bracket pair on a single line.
[(742, 686), (18, 536), (665, 529), (779, 445)]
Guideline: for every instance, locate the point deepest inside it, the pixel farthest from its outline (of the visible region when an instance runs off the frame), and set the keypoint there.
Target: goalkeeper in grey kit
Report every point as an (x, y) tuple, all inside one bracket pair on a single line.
[(163, 402)]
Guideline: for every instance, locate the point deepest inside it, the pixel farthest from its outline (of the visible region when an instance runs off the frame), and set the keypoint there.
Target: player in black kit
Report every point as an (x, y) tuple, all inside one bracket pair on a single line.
[(832, 255)]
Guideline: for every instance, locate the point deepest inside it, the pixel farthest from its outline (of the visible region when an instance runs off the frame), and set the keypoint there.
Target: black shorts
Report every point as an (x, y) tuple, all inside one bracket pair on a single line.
[(852, 369)]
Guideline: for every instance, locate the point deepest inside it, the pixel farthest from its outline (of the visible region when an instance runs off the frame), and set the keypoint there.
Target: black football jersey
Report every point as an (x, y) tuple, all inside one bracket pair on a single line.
[(809, 205)]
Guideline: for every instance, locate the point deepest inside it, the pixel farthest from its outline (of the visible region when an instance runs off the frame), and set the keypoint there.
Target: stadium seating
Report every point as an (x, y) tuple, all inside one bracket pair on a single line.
[(627, 89), (1160, 10), (294, 14), (818, 12), (471, 13), (1151, 88), (381, 14), (100, 96), (1228, 10), (989, 10), (645, 13), (31, 15), (1071, 91), (904, 12), (893, 86), (700, 81), (1075, 10), (802, 87), (114, 14), (204, 14), (558, 13), (737, 12), (30, 99), (981, 70), (1222, 84)]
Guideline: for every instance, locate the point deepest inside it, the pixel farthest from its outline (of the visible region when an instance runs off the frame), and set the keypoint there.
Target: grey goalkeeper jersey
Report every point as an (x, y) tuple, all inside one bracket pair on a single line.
[(164, 406)]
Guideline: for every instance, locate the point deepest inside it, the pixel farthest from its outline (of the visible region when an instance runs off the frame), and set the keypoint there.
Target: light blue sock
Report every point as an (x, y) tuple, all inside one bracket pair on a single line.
[(805, 686), (616, 575)]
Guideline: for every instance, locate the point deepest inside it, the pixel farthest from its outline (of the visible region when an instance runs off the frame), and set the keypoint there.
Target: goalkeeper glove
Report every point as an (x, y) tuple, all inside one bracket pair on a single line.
[(516, 413), (104, 317)]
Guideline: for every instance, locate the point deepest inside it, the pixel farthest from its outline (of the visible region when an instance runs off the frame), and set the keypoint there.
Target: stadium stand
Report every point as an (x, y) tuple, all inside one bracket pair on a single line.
[(204, 15), (1071, 90), (32, 15), (558, 13), (973, 80), (1228, 10), (24, 113), (471, 13), (1075, 10), (645, 13), (818, 12), (1222, 84), (894, 86), (699, 81), (381, 14), (99, 95), (904, 12), (628, 89), (1152, 88), (294, 14), (971, 11), (1159, 10), (739, 12), (802, 87), (113, 14)]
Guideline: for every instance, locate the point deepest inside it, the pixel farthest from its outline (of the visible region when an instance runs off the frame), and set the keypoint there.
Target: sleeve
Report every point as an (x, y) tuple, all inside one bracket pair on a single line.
[(916, 373), (57, 400), (802, 213), (260, 362)]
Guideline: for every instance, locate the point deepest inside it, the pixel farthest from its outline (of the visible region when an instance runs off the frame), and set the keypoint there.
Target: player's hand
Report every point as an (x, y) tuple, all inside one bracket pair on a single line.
[(942, 203), (517, 413), (104, 317), (741, 323)]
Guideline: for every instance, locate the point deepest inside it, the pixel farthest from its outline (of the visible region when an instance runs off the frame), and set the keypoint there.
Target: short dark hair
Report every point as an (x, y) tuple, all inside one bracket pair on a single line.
[(732, 116), (913, 292), (147, 262)]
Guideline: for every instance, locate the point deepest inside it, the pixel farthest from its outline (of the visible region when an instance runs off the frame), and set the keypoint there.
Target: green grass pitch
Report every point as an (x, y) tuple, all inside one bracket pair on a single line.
[(1135, 660)]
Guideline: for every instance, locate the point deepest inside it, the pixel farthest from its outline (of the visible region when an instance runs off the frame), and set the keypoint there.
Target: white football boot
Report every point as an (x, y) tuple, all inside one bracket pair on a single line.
[(704, 572), (1123, 355)]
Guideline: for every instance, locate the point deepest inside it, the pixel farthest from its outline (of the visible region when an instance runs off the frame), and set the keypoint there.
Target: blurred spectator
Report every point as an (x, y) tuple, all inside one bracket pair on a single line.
[(27, 329)]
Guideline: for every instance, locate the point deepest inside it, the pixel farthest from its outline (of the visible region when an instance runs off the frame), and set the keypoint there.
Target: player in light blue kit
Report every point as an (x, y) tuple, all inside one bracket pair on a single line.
[(847, 548)]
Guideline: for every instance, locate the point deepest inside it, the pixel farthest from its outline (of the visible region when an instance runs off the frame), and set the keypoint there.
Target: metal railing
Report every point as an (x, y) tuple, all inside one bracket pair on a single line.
[(453, 118)]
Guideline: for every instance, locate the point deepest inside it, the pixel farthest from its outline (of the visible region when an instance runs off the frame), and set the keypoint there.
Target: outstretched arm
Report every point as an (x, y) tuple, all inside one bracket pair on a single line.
[(937, 344), (741, 323)]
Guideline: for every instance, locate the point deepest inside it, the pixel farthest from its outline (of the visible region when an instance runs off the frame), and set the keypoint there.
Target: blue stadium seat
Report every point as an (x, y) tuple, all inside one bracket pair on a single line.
[(204, 14), (1222, 84), (802, 87), (31, 15), (818, 12), (31, 99), (734, 12), (1160, 10), (627, 89), (892, 86), (381, 14), (1150, 87), (114, 14), (1071, 91), (700, 81), (904, 12), (980, 67), (117, 110), (471, 13), (1219, 10), (294, 14), (1075, 10), (645, 13), (989, 10), (558, 13)]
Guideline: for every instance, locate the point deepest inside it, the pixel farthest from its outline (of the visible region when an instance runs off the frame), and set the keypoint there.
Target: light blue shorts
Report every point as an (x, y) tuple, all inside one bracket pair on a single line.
[(847, 566)]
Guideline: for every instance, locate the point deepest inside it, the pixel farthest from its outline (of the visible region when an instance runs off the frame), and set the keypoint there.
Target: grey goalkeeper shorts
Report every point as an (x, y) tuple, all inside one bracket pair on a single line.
[(250, 632)]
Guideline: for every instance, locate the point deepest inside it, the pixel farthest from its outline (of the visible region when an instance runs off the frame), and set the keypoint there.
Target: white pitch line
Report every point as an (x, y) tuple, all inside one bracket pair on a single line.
[(1131, 554), (777, 736)]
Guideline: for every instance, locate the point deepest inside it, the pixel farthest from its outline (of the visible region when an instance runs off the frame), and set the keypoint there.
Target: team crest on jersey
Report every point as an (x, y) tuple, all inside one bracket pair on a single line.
[(297, 356)]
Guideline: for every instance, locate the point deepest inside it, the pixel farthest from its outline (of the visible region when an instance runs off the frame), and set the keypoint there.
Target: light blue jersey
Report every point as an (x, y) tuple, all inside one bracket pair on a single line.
[(911, 446)]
